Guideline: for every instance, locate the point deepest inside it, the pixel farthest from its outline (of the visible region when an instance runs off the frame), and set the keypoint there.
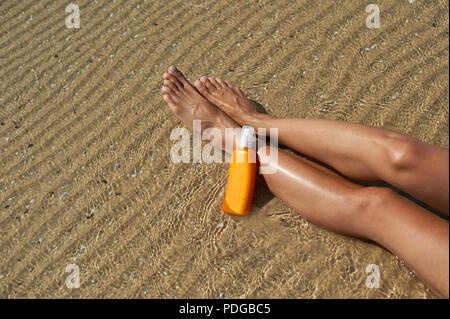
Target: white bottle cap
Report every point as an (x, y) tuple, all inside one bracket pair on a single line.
[(248, 138)]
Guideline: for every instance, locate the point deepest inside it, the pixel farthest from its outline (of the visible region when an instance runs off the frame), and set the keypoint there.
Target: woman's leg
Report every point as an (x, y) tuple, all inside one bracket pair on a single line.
[(416, 236), (357, 151), (323, 197)]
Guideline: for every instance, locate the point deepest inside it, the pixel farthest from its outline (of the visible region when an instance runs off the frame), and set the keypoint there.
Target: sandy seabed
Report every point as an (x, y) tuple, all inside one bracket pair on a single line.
[(85, 172)]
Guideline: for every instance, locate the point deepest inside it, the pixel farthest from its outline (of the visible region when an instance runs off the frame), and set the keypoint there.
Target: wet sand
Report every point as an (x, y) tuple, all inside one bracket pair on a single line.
[(85, 172)]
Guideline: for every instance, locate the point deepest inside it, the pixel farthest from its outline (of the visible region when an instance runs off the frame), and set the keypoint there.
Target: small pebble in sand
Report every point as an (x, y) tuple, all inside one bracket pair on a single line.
[(91, 213), (117, 165), (41, 240)]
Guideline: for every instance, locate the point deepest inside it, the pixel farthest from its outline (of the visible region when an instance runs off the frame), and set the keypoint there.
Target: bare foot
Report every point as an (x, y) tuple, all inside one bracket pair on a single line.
[(189, 105), (229, 99)]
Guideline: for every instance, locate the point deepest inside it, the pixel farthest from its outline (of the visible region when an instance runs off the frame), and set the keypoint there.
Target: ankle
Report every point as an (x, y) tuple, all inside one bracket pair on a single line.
[(258, 120)]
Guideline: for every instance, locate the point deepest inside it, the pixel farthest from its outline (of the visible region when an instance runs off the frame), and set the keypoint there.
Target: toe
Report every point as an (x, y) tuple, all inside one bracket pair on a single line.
[(172, 69), (228, 83), (169, 99), (167, 90), (176, 81), (207, 83), (200, 86), (173, 84), (221, 83), (214, 82), (179, 76)]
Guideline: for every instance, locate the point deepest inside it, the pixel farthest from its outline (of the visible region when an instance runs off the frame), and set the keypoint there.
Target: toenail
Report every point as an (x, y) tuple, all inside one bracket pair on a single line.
[(173, 69), (199, 84)]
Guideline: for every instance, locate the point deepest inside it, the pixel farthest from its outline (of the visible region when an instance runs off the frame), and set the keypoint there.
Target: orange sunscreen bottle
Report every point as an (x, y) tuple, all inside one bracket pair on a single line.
[(241, 175)]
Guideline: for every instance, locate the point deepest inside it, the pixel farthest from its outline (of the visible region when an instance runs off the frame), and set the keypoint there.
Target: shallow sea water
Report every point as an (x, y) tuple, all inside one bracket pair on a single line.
[(85, 172)]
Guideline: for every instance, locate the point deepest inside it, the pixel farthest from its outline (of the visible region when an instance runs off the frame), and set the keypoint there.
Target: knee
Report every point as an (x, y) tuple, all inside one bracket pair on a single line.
[(402, 152), (366, 206), (371, 197)]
